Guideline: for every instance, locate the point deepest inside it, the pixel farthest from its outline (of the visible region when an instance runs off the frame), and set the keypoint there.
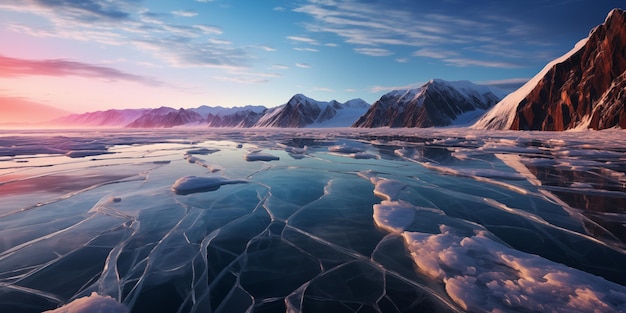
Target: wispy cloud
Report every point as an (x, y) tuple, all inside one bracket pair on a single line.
[(306, 49), (119, 22), (266, 48), (381, 24), (185, 13), (435, 53), (280, 67), (303, 39), (377, 89), (248, 77), (12, 67), (506, 84), (376, 52), (461, 62), (303, 65), (323, 89)]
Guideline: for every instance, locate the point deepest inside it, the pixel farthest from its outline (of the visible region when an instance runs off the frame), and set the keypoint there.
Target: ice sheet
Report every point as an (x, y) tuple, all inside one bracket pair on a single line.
[(495, 220)]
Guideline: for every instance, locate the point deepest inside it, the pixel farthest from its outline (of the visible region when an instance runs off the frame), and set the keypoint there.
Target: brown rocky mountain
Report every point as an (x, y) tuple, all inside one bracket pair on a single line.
[(436, 103), (586, 88)]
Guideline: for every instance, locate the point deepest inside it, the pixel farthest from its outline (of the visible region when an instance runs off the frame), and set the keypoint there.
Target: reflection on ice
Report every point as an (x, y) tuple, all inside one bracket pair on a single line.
[(340, 221)]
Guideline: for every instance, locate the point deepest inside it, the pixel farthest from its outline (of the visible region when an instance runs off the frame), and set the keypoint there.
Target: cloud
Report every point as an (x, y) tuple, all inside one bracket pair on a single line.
[(303, 39), (377, 89), (303, 65), (402, 60), (437, 32), (185, 13), (376, 52), (461, 62), (324, 89), (434, 53), (83, 10), (181, 51), (242, 80), (506, 84), (280, 67), (178, 45), (12, 67), (248, 77), (209, 30), (306, 49), (266, 48)]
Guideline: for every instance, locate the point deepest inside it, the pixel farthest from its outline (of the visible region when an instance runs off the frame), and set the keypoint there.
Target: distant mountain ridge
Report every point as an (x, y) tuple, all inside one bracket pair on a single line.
[(299, 111), (585, 88), (436, 103)]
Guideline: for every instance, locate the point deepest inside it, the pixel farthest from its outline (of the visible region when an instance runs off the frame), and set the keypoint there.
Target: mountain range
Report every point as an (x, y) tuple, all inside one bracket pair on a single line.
[(436, 103), (585, 88)]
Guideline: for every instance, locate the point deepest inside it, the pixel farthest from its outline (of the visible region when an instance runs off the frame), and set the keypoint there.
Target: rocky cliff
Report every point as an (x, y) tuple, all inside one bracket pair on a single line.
[(586, 88)]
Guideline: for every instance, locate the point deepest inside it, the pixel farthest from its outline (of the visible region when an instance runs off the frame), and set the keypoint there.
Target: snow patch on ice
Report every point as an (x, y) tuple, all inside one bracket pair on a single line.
[(92, 304), (482, 275), (193, 184), (195, 160), (345, 148)]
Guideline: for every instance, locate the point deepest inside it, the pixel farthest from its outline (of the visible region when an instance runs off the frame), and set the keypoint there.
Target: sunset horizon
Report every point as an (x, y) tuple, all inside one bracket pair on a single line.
[(124, 55)]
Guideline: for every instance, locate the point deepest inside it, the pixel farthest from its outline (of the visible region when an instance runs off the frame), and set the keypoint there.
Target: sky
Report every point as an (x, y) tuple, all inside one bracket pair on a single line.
[(88, 55)]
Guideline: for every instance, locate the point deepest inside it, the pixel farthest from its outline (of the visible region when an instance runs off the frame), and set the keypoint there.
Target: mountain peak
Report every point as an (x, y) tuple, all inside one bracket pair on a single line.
[(581, 89), (436, 103)]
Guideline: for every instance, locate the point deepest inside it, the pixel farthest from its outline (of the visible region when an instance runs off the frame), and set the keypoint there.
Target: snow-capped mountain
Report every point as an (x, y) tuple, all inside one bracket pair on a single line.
[(108, 118), (582, 89), (165, 117), (436, 103), (301, 111), (245, 116)]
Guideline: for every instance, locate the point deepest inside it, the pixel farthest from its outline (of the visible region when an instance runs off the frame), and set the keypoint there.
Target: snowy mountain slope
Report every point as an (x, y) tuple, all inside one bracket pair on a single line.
[(205, 111), (108, 118), (436, 103), (165, 117), (301, 111), (582, 89)]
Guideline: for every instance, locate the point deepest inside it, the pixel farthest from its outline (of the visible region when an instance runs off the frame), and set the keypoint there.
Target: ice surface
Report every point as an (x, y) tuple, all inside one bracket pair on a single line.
[(441, 220)]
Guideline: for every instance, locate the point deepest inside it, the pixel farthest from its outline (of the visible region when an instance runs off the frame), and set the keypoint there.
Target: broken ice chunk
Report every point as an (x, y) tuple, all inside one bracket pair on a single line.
[(86, 153), (260, 156), (345, 148), (203, 151), (193, 184)]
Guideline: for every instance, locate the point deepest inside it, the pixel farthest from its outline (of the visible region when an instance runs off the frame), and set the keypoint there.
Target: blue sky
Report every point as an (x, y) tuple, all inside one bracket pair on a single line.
[(86, 55)]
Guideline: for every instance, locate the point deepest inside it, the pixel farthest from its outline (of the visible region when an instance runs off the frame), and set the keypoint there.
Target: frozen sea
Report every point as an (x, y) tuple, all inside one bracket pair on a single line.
[(312, 220)]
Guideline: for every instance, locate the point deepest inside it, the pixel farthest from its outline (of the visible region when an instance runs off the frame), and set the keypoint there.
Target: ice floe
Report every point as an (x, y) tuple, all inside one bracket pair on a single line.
[(193, 184), (260, 156)]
